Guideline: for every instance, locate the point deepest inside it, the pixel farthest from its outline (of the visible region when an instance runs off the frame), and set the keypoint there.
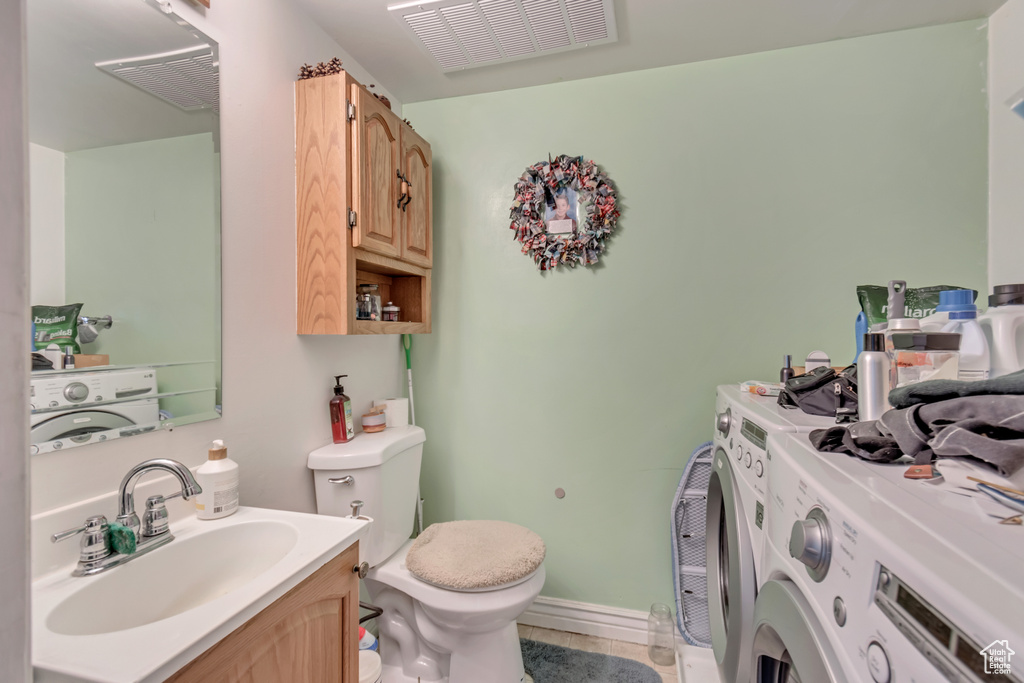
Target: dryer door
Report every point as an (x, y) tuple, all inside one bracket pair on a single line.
[(78, 423), (730, 566), (790, 645)]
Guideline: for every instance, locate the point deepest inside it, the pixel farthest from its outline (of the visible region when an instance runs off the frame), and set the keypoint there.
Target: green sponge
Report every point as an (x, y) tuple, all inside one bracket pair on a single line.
[(122, 539)]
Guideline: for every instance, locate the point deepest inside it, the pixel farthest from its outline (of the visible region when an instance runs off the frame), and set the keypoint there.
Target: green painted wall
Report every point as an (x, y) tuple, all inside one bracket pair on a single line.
[(758, 192), (160, 199)]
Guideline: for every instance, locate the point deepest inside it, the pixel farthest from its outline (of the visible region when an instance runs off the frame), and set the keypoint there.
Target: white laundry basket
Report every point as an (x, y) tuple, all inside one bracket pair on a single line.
[(370, 667)]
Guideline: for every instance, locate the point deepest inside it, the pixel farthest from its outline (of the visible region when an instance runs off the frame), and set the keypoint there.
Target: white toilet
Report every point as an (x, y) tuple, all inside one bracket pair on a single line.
[(427, 633)]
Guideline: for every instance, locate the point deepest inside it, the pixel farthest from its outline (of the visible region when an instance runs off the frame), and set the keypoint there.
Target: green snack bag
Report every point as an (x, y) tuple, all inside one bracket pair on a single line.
[(919, 301), (56, 325)]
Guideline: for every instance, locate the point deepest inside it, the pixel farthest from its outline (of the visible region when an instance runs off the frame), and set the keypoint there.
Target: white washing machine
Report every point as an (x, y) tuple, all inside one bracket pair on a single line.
[(76, 408), (870, 577), (736, 495)]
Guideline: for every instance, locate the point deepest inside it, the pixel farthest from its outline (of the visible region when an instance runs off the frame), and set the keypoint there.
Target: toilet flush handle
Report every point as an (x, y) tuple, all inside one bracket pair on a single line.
[(346, 480)]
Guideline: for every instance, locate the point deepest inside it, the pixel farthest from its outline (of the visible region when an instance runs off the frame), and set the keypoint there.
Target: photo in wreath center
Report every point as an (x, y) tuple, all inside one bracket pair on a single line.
[(564, 211)]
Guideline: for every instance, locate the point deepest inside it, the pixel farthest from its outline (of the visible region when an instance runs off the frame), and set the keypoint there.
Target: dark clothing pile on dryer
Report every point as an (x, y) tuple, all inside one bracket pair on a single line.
[(989, 428), (944, 389)]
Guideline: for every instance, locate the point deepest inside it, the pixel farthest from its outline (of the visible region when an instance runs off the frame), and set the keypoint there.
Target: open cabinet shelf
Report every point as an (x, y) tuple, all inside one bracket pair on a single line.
[(404, 284)]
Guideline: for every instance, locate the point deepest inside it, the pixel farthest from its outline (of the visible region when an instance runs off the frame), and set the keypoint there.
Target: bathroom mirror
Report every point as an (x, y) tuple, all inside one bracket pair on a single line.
[(124, 177)]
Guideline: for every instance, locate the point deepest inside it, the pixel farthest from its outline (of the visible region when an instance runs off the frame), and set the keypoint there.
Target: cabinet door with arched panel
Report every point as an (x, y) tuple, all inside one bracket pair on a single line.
[(417, 208), (376, 162)]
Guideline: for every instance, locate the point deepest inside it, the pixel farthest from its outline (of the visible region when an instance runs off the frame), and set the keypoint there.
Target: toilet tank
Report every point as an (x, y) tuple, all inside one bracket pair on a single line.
[(385, 471)]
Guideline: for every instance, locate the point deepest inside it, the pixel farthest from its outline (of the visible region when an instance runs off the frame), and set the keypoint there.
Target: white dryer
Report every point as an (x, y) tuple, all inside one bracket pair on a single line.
[(871, 577), (80, 407), (736, 497)]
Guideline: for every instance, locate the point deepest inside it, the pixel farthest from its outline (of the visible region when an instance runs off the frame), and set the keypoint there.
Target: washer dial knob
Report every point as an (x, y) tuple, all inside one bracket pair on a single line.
[(759, 468), (723, 422), (810, 542), (878, 663), (75, 392)]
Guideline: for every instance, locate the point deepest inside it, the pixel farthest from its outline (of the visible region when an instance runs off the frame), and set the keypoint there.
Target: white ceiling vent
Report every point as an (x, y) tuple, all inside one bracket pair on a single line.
[(188, 79), (462, 35)]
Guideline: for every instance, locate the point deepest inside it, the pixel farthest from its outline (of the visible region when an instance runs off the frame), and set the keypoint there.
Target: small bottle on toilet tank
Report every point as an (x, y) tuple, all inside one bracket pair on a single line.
[(342, 423), (872, 378)]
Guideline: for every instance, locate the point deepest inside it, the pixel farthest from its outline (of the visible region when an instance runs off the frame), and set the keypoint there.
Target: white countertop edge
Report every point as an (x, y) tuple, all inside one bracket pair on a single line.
[(179, 651)]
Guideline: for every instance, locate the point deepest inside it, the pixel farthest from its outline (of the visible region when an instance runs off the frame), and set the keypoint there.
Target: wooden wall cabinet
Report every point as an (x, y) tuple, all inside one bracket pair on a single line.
[(309, 634), (364, 209)]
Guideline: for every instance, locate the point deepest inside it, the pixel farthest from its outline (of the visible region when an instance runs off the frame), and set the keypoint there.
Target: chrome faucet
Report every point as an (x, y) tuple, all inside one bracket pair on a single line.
[(96, 554), (126, 494)]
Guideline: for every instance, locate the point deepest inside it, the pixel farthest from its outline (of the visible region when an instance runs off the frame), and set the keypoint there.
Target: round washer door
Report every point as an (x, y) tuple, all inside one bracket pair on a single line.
[(790, 645), (730, 567), (76, 423)]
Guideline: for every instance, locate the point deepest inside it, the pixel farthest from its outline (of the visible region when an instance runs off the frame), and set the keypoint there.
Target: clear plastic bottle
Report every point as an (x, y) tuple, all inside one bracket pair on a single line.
[(661, 640)]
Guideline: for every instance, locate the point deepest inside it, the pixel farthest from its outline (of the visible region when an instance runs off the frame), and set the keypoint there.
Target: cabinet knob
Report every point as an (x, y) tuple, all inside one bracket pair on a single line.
[(362, 569)]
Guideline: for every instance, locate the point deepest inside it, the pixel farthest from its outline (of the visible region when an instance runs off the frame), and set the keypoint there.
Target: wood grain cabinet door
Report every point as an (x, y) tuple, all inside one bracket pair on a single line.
[(326, 278), (308, 635), (377, 159), (417, 216)]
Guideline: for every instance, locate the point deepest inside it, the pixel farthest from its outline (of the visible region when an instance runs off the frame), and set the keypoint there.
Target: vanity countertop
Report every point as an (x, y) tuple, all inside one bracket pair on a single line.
[(146, 619)]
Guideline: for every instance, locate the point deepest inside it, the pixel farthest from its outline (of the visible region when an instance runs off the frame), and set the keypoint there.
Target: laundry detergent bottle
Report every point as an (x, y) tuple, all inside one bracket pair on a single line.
[(975, 362), (1003, 325)]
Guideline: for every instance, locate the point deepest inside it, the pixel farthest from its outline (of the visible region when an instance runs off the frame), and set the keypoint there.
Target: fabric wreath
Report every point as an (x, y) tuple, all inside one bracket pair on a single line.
[(547, 221)]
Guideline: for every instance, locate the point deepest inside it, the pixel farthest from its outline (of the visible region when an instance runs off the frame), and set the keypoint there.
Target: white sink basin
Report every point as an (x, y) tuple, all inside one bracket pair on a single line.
[(147, 618), (186, 573)]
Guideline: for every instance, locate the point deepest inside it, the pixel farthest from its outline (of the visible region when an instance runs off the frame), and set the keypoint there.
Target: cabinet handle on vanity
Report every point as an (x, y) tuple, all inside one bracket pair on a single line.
[(361, 569)]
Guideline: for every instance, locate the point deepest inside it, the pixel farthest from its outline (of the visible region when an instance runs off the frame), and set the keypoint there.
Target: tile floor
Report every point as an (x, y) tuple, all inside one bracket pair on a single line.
[(617, 648)]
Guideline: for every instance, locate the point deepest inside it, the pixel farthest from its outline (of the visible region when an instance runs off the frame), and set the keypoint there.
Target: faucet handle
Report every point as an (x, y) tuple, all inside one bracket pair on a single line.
[(154, 520), (357, 505), (95, 543), (94, 523)]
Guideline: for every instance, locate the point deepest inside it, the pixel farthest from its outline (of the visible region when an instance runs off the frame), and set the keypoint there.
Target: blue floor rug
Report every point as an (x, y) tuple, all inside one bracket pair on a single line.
[(555, 664)]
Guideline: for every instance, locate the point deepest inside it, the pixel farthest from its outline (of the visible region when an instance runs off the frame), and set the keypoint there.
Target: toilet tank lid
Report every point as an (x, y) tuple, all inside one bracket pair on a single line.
[(366, 450)]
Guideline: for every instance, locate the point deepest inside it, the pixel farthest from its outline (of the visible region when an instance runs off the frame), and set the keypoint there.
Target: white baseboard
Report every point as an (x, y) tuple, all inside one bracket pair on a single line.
[(582, 617)]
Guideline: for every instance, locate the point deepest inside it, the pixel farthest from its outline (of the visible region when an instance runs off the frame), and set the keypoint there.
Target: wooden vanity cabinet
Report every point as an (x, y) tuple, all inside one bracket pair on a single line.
[(364, 209), (309, 634)]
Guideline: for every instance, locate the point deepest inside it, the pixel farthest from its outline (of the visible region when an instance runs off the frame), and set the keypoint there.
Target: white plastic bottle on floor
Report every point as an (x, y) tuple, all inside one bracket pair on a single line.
[(975, 362)]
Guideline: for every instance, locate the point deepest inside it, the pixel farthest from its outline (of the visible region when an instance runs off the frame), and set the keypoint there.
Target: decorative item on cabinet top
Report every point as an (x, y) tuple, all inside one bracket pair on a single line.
[(364, 209), (564, 211)]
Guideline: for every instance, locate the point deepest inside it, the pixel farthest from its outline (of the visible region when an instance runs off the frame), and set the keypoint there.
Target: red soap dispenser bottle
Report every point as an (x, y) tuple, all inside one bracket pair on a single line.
[(341, 413)]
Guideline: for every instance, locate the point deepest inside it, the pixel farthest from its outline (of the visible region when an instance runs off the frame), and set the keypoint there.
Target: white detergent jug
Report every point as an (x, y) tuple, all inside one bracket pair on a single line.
[(1003, 324)]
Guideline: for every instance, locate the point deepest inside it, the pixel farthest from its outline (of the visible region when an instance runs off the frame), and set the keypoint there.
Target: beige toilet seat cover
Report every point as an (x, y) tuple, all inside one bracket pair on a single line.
[(473, 554)]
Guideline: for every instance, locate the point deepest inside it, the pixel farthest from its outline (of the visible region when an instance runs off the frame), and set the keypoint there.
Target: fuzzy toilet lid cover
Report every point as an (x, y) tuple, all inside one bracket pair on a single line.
[(475, 555)]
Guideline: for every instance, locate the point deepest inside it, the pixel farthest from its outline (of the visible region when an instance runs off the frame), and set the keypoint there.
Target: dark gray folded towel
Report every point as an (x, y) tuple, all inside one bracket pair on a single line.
[(936, 390), (989, 428)]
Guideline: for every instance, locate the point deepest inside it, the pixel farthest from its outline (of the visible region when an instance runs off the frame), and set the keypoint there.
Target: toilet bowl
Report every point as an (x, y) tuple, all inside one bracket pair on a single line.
[(428, 633)]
